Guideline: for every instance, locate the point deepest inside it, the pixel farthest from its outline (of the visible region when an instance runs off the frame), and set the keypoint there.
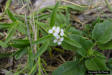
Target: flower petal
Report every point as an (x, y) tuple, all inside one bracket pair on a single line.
[(50, 31), (59, 43), (55, 34), (55, 41), (61, 39), (57, 37), (54, 28), (62, 33), (58, 29)]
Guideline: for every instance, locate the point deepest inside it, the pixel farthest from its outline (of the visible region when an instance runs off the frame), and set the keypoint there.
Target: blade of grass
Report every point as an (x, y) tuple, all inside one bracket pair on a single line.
[(53, 15)]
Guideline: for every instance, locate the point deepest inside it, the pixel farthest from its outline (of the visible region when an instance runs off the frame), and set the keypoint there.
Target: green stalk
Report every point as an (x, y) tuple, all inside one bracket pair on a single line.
[(39, 59)]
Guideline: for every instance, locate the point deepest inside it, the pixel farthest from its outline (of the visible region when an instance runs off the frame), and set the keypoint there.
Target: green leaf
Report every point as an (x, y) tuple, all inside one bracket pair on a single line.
[(75, 7), (22, 28), (20, 53), (42, 40), (106, 46), (83, 41), (72, 42), (11, 32), (96, 64), (99, 54), (102, 32), (8, 4), (30, 58), (73, 30), (53, 15), (60, 19), (4, 45), (4, 25), (109, 63), (19, 43), (11, 16), (24, 43), (67, 46), (42, 49), (70, 68)]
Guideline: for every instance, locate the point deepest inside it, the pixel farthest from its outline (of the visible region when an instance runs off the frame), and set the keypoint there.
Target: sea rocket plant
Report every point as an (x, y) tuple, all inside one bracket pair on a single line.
[(58, 34)]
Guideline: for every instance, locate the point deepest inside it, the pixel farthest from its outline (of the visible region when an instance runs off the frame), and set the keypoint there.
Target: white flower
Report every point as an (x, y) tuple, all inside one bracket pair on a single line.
[(62, 32), (50, 31), (58, 29), (57, 37), (59, 43), (55, 41), (58, 40), (61, 39), (55, 34), (58, 34), (54, 28)]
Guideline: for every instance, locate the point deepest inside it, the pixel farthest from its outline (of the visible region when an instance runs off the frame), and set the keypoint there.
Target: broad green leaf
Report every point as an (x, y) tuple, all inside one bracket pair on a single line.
[(53, 15), (106, 46), (72, 42), (70, 68), (109, 63), (99, 54), (42, 49), (102, 32), (96, 63), (84, 42), (67, 46), (73, 30)]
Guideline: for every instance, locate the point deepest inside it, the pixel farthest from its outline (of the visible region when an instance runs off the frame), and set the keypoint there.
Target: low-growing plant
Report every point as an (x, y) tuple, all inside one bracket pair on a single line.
[(54, 29)]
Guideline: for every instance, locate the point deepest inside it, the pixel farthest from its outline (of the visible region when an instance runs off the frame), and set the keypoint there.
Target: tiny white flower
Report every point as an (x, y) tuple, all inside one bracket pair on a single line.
[(55, 41), (62, 30), (50, 31), (58, 29), (54, 28), (57, 37), (61, 39), (59, 43), (62, 33), (55, 34)]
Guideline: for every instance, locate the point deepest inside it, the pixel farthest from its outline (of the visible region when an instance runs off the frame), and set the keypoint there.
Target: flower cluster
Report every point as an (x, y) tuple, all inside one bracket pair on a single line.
[(58, 34)]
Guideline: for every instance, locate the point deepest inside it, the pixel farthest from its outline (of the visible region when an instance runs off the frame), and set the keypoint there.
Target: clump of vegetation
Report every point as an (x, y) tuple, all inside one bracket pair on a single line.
[(42, 32)]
